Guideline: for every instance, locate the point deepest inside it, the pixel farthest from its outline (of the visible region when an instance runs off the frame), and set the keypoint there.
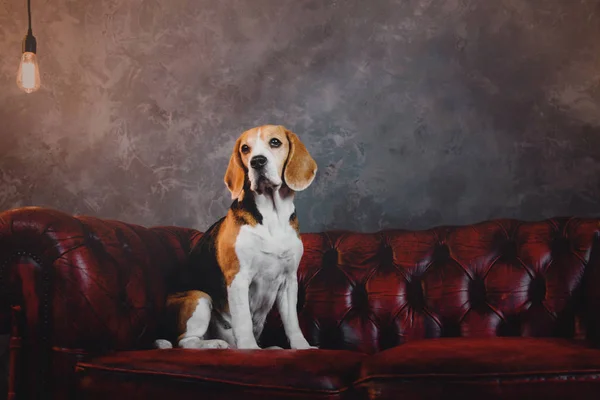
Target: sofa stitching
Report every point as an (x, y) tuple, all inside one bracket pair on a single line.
[(593, 374), (81, 367)]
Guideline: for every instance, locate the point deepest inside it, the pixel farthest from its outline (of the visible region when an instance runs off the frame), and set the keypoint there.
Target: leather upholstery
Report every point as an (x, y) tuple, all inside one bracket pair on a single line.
[(307, 374), (371, 292), (513, 368), (88, 286)]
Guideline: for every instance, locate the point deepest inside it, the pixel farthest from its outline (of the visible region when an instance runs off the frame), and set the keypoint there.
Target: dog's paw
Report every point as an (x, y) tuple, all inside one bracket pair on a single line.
[(309, 347), (215, 344), (194, 342), (248, 346), (301, 345), (162, 344), (273, 348)]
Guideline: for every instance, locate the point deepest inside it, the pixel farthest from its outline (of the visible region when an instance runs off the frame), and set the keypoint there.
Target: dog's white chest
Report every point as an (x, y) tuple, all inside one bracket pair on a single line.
[(269, 257), (269, 252)]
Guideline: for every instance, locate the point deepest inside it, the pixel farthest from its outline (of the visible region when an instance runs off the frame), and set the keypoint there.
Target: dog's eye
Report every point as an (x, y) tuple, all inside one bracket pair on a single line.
[(245, 149), (275, 142)]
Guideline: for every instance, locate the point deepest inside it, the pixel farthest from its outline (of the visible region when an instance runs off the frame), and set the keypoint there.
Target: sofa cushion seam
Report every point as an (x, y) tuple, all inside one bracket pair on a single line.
[(82, 367), (509, 375)]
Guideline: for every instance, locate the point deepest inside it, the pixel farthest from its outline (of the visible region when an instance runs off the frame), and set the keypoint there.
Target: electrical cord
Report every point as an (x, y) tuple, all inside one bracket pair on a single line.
[(29, 14)]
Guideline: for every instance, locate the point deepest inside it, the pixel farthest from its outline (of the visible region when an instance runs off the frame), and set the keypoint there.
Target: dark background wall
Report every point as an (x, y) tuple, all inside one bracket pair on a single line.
[(418, 112)]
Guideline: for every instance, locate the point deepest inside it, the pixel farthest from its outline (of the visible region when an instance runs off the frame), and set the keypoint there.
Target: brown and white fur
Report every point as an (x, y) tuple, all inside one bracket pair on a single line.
[(247, 261)]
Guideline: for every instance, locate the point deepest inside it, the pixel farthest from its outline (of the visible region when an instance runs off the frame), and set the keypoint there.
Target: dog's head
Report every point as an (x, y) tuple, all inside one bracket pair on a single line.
[(268, 157)]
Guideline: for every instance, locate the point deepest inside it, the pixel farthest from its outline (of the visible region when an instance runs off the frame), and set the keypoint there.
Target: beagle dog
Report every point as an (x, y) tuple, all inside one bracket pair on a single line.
[(248, 260)]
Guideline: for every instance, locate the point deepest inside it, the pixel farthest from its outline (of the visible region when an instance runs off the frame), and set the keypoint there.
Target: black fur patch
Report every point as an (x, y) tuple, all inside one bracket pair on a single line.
[(203, 271), (248, 205)]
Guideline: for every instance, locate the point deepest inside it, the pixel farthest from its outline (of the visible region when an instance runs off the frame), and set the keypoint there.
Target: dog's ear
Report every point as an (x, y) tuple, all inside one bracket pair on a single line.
[(300, 168), (235, 174)]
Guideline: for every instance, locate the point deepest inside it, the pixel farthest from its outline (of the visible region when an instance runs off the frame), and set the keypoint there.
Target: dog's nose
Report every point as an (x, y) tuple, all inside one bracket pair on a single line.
[(258, 162)]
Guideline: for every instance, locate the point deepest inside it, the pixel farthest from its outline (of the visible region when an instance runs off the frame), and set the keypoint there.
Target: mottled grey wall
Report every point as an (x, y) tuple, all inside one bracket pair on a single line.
[(419, 112)]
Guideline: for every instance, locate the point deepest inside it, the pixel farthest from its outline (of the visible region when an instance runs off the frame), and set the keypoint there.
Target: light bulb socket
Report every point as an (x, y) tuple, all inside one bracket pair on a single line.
[(29, 43)]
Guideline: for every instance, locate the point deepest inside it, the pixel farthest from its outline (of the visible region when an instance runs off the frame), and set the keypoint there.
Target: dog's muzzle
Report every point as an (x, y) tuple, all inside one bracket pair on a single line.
[(262, 174), (258, 162)]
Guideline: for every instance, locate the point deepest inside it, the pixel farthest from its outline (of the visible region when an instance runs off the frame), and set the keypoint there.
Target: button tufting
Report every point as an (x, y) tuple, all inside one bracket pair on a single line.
[(360, 297), (330, 257), (356, 291), (537, 289), (389, 337), (124, 301), (441, 252), (560, 244), (92, 237), (509, 250), (477, 292), (414, 293), (387, 255)]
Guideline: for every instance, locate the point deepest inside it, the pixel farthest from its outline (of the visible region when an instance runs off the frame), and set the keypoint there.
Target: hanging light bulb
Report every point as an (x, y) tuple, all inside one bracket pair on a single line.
[(28, 75)]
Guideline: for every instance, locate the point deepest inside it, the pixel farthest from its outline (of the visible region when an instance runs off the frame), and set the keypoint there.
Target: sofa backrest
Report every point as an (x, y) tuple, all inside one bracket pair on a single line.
[(369, 292), (94, 284)]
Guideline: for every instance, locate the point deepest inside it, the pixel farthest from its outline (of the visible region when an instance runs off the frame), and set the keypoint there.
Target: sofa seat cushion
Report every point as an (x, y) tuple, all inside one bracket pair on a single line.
[(248, 374), (494, 368)]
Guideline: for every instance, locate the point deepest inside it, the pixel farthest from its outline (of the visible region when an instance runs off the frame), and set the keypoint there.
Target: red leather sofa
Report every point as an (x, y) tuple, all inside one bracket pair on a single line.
[(501, 309)]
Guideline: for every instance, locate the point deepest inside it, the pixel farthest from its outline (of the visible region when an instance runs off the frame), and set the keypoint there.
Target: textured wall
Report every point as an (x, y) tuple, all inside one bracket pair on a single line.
[(419, 112)]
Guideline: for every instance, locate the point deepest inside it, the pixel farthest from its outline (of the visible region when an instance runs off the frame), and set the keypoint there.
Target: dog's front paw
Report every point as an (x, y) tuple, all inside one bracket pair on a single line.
[(215, 344), (308, 347), (247, 345), (301, 344), (194, 342)]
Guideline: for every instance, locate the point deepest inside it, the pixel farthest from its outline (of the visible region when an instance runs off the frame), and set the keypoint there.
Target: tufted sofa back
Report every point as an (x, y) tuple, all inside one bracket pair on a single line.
[(71, 286), (369, 292), (93, 284)]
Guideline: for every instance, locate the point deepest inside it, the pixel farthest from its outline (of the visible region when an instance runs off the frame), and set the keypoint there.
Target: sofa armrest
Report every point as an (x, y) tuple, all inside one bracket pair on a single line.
[(591, 293), (83, 285)]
